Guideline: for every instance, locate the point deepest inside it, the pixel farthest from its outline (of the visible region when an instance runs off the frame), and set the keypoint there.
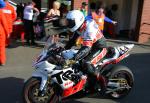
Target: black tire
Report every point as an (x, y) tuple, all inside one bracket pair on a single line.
[(125, 73), (30, 92)]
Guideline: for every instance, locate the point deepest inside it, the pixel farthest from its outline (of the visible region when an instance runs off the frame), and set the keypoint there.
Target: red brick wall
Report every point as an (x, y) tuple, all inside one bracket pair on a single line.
[(144, 33), (77, 3)]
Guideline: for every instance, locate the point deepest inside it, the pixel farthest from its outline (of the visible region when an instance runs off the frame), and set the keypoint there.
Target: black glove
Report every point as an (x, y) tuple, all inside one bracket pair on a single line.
[(83, 52), (58, 50), (61, 49), (60, 60)]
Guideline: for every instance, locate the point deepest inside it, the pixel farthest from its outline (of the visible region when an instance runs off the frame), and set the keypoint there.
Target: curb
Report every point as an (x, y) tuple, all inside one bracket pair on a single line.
[(127, 42)]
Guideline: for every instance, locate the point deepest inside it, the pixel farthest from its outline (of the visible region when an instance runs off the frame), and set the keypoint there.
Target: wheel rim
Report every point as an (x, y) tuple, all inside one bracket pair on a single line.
[(33, 91), (127, 79)]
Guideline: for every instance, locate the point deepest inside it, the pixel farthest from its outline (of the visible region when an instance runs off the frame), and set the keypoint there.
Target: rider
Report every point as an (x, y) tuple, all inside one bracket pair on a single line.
[(93, 48)]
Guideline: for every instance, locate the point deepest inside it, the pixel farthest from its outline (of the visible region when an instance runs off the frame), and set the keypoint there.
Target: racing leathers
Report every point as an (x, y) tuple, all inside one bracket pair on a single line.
[(93, 48)]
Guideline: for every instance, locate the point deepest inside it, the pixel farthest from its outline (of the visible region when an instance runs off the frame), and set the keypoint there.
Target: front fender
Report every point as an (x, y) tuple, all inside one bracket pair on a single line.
[(43, 76)]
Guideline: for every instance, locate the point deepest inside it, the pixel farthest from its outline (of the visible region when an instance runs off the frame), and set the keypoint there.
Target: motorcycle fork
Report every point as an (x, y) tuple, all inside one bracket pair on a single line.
[(45, 89)]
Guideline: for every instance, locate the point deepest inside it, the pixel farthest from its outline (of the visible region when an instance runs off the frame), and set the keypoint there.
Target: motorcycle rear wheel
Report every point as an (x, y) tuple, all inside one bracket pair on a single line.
[(122, 73), (31, 92)]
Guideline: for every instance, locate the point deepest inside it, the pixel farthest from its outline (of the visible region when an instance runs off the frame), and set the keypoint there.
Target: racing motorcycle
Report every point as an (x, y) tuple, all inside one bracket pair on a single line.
[(52, 81)]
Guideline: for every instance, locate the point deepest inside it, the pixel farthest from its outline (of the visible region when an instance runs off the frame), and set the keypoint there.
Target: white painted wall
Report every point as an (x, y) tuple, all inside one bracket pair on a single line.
[(129, 14), (134, 14), (126, 14)]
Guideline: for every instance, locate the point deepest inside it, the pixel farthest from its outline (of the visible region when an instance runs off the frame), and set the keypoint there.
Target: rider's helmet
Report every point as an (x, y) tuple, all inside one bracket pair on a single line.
[(75, 19)]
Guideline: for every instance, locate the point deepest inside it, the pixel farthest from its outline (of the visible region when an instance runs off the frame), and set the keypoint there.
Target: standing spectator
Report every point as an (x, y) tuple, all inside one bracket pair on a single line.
[(92, 8), (54, 12), (20, 8), (11, 15), (28, 22), (100, 17), (3, 34), (83, 8), (63, 10), (92, 11), (112, 14)]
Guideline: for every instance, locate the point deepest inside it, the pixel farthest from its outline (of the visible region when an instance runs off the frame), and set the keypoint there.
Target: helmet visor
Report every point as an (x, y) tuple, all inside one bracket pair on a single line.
[(71, 23)]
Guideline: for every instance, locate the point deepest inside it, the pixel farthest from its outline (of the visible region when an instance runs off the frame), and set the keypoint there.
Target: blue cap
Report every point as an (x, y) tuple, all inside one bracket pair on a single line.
[(2, 4)]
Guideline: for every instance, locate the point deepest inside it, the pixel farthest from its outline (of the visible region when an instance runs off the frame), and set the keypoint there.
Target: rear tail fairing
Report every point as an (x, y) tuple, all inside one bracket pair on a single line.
[(124, 49), (121, 52), (110, 59)]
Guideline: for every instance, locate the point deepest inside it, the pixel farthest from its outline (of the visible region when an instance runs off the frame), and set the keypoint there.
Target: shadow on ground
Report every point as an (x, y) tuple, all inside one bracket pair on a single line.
[(10, 90), (18, 43)]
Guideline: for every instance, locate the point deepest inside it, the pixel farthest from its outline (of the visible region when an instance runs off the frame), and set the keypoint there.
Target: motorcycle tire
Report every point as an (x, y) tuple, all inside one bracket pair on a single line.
[(125, 73), (31, 92)]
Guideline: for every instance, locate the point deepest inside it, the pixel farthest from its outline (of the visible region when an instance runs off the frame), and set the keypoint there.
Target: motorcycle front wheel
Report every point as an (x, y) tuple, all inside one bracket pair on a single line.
[(31, 92), (123, 77)]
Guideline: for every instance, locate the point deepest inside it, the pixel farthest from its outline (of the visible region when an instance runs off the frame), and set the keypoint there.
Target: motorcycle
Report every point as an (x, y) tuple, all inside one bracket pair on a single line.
[(52, 81)]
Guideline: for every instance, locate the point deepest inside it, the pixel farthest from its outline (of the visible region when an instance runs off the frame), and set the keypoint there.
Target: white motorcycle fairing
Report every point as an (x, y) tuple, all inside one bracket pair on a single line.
[(62, 77), (58, 75), (42, 70)]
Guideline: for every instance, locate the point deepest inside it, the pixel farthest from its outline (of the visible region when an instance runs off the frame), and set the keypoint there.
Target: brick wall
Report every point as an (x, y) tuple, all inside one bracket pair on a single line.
[(144, 33), (77, 3)]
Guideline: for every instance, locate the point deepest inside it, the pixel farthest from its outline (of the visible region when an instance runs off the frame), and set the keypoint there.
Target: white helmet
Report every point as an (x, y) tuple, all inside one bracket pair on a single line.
[(75, 19)]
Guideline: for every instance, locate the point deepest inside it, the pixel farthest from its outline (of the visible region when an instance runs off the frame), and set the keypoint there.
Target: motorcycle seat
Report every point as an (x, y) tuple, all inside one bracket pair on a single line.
[(112, 54)]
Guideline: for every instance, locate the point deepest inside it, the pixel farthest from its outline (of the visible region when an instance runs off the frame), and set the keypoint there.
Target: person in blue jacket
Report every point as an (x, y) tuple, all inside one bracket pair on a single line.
[(99, 16), (2, 4)]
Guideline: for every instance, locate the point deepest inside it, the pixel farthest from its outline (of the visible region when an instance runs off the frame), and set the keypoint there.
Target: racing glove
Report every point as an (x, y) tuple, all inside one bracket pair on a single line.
[(83, 52)]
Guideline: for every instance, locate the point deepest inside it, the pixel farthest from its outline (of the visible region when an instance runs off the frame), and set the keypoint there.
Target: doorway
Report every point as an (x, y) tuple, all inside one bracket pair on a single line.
[(126, 15)]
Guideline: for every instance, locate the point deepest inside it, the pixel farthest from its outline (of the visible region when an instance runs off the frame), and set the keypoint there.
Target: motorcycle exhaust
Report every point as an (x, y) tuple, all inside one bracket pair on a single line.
[(113, 84)]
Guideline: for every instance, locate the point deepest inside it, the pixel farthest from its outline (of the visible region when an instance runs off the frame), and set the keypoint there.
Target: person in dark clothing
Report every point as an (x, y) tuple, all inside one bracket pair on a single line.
[(112, 12), (63, 10), (19, 10)]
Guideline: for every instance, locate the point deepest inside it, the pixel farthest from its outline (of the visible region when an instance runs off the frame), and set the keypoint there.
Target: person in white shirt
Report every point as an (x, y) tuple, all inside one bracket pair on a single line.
[(28, 22)]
